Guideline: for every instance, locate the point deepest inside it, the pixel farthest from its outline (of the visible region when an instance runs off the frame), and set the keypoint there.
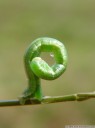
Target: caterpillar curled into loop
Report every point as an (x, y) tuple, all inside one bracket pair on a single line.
[(37, 68)]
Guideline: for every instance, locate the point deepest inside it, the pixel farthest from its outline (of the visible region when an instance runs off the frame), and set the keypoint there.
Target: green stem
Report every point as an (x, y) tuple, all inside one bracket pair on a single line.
[(50, 99)]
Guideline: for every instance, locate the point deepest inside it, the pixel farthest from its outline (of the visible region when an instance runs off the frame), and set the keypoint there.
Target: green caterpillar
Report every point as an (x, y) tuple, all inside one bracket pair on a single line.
[(37, 68)]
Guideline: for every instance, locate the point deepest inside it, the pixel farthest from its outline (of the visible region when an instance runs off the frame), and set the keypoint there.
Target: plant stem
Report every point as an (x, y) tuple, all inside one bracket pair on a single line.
[(50, 99)]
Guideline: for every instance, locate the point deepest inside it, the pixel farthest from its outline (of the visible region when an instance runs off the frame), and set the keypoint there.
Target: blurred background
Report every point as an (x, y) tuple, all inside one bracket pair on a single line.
[(70, 21)]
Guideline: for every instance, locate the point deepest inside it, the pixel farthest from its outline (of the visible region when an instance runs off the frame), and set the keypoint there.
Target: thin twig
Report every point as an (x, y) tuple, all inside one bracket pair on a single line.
[(50, 99)]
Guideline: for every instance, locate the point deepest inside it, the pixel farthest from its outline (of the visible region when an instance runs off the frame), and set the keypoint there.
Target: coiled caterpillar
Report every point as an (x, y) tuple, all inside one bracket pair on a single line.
[(37, 68)]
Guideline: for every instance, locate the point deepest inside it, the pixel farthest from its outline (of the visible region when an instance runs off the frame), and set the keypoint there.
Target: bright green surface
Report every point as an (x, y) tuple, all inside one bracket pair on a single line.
[(72, 22), (36, 68)]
